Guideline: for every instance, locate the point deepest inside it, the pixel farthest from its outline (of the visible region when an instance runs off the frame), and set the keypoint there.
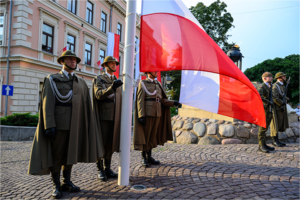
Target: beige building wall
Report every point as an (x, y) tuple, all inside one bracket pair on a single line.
[(29, 64)]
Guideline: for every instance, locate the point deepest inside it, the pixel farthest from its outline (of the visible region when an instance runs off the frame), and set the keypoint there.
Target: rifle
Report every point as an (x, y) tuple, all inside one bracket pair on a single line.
[(271, 98), (285, 91)]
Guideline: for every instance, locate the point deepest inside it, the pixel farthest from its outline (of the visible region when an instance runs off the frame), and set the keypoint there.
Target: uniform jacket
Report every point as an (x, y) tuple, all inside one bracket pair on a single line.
[(278, 113), (107, 110), (85, 143), (143, 109), (264, 92)]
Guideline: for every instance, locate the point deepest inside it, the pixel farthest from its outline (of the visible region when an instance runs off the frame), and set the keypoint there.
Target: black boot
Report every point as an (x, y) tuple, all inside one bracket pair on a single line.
[(109, 173), (56, 193), (144, 159), (67, 184), (275, 142), (151, 160), (268, 147), (101, 174), (282, 144), (263, 149)]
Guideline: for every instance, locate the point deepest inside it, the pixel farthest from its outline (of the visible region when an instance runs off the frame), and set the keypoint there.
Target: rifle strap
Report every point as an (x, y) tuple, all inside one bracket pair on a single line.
[(279, 90)]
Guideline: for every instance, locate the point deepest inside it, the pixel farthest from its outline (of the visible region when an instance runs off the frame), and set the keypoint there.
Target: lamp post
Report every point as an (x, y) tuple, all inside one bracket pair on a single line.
[(236, 56)]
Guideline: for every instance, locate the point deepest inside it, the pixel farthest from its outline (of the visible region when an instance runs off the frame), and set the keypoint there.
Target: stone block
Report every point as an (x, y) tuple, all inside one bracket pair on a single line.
[(207, 123), (247, 126), (24, 20), (33, 103), (199, 129), (212, 129), (15, 102), (24, 32), (242, 132), (231, 141), (19, 37), (196, 120), (174, 138), (187, 126), (28, 109), (29, 97), (282, 136), (38, 75), (20, 14), (30, 86), (177, 133), (15, 72), (23, 43), (268, 132), (16, 108), (34, 80), (18, 85), (212, 120), (20, 25), (204, 120), (30, 74), (16, 133), (178, 125), (190, 120), (254, 132), (172, 123), (226, 130), (207, 140), (289, 132), (221, 122), (235, 123), (25, 8), (296, 131), (187, 138), (20, 2), (23, 103), (22, 91)]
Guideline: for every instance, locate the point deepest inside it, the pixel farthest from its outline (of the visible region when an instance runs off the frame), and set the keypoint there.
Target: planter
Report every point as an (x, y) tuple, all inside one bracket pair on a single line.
[(17, 133)]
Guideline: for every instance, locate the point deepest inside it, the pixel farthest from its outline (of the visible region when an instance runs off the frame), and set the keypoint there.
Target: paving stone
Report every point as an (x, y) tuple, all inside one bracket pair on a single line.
[(232, 141), (199, 129)]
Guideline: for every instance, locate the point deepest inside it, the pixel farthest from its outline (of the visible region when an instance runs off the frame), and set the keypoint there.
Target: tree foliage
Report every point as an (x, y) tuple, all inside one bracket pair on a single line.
[(289, 65), (216, 21), (20, 119)]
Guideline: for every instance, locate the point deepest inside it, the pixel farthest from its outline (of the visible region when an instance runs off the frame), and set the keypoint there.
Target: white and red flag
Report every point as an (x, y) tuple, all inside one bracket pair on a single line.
[(113, 41), (173, 39), (99, 64), (65, 49)]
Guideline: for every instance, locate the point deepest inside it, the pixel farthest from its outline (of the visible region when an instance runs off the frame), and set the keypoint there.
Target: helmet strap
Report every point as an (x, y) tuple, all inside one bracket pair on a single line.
[(110, 68), (68, 66)]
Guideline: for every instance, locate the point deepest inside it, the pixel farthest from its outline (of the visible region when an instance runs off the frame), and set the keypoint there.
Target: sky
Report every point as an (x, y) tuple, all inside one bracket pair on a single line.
[(264, 29)]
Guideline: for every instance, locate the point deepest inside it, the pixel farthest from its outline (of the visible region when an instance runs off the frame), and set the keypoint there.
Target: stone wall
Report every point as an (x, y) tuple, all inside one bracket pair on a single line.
[(188, 130)]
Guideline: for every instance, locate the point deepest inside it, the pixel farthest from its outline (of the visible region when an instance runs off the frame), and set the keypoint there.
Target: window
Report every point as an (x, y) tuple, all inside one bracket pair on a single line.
[(72, 6), (89, 12), (102, 55), (88, 53), (1, 28), (47, 40), (71, 42), (136, 43), (103, 22), (119, 31)]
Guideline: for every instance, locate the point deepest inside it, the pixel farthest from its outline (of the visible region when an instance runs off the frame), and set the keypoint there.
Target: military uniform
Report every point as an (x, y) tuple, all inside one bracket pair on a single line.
[(107, 104), (60, 140), (153, 105), (280, 119)]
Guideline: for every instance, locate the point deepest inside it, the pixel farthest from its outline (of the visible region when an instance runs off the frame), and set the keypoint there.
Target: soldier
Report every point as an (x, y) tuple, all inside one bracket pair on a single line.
[(66, 133), (265, 92), (107, 99), (280, 118), (152, 123)]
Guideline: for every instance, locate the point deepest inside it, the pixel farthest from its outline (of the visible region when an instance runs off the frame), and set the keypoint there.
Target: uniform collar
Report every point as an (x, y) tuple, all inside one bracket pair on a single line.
[(280, 82), (151, 80), (67, 73), (109, 76), (268, 84)]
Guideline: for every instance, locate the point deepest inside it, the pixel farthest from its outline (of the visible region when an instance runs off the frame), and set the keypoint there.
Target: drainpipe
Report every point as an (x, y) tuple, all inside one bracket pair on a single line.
[(110, 16), (8, 53)]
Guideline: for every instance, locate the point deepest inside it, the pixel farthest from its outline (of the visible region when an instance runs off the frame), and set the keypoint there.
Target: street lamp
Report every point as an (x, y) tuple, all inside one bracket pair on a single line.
[(235, 55)]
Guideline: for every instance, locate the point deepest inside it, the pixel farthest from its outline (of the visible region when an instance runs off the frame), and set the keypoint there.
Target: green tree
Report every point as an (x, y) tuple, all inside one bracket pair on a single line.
[(289, 65), (216, 21)]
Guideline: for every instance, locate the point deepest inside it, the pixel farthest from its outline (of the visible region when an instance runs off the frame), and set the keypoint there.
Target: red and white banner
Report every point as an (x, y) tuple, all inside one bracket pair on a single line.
[(65, 49), (173, 39), (113, 41)]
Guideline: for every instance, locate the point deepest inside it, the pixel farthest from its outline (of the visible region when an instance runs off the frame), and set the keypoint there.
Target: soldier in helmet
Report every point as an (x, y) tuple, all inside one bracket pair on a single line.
[(152, 122), (280, 118), (107, 98), (265, 94), (66, 133)]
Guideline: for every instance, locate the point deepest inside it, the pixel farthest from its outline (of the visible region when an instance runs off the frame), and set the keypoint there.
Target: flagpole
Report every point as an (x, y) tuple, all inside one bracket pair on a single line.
[(127, 94)]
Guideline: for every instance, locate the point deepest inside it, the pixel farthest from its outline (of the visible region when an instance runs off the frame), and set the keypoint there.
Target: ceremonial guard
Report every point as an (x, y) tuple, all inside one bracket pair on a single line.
[(280, 119), (107, 99), (66, 132), (152, 120), (265, 92)]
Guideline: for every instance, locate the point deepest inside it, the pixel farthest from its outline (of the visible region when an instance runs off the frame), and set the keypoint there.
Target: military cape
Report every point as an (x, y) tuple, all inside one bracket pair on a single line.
[(164, 132), (85, 143)]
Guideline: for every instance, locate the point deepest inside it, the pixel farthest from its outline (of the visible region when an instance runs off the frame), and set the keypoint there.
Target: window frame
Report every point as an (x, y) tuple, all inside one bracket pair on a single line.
[(90, 53), (88, 10), (69, 44), (76, 2), (48, 35), (119, 32), (3, 31), (100, 57), (103, 22)]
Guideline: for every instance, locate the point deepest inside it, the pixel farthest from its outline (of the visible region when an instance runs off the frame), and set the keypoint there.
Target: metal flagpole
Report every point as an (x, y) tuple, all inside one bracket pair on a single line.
[(127, 94)]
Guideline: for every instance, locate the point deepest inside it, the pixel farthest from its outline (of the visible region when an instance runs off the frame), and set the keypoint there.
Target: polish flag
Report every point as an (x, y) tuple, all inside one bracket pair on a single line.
[(113, 41), (65, 49), (173, 39), (99, 64)]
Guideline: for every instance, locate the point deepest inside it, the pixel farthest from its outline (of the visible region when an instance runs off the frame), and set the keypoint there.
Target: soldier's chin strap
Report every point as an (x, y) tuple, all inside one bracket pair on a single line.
[(69, 67), (110, 69)]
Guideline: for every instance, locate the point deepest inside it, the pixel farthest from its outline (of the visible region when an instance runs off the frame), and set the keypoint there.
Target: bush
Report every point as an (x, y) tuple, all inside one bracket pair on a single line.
[(174, 111), (20, 119)]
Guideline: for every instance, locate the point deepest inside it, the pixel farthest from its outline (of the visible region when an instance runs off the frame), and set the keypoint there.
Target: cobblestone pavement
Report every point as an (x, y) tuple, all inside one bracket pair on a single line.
[(186, 172)]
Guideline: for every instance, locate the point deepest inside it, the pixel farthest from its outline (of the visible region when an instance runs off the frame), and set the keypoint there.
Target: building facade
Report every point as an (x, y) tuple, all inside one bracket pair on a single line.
[(41, 29)]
